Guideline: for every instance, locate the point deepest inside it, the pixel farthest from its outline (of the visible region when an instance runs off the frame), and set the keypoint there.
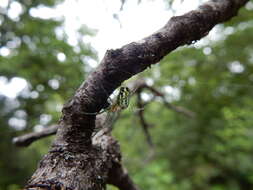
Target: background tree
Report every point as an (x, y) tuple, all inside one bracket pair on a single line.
[(31, 50)]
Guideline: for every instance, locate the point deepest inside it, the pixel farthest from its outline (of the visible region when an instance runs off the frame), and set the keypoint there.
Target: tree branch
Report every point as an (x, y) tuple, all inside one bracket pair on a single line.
[(73, 161), (178, 109), (144, 124), (118, 176), (27, 139)]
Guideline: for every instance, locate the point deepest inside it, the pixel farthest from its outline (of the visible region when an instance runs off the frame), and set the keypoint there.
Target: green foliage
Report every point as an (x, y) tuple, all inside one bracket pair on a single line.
[(52, 69)]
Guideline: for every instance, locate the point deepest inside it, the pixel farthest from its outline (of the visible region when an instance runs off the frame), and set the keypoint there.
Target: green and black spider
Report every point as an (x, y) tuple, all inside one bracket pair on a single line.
[(121, 103)]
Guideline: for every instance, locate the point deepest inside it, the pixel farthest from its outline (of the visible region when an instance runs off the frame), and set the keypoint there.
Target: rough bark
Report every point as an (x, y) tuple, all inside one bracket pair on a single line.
[(73, 162)]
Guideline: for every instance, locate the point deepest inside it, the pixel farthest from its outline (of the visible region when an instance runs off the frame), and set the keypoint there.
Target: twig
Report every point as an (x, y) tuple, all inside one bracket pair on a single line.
[(144, 124), (27, 139), (178, 109)]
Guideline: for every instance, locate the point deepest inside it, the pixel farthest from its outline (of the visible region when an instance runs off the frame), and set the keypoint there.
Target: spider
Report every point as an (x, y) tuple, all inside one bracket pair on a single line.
[(122, 102)]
